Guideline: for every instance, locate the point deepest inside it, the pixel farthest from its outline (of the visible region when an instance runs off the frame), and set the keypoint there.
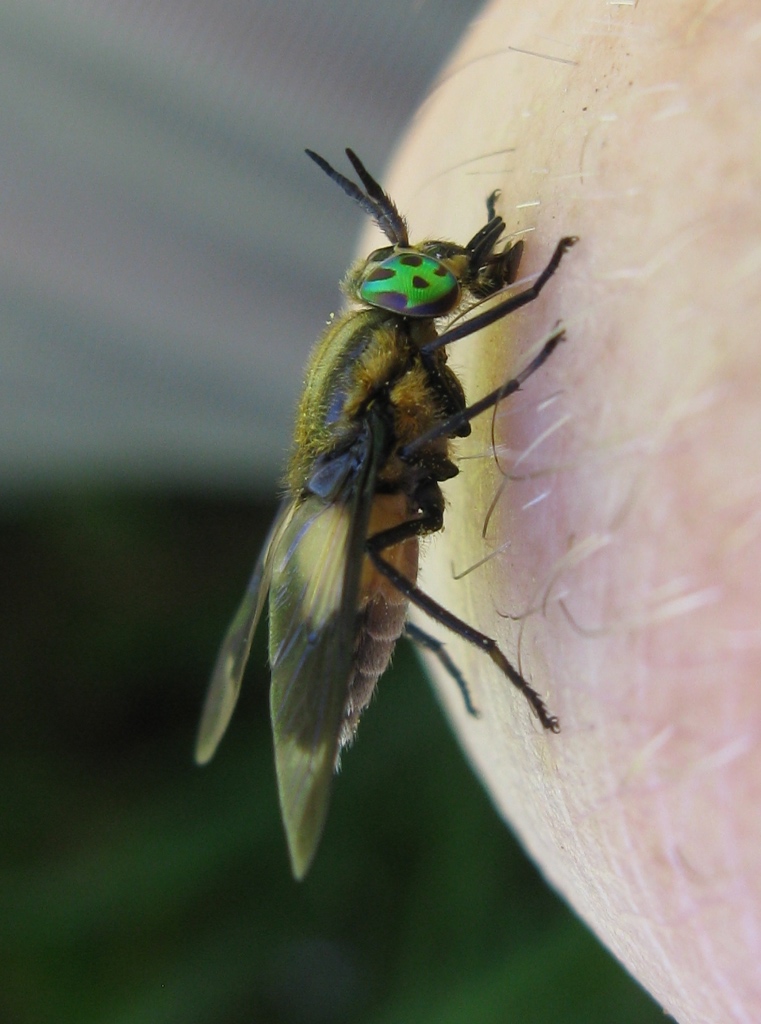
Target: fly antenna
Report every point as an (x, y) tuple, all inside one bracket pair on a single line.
[(374, 201), (394, 225)]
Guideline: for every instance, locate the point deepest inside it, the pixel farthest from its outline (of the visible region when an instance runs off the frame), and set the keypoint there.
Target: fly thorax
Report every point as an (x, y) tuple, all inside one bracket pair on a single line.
[(416, 407)]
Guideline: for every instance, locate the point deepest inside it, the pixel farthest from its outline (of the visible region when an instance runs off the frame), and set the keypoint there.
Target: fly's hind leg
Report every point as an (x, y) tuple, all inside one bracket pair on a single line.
[(437, 648), (416, 528)]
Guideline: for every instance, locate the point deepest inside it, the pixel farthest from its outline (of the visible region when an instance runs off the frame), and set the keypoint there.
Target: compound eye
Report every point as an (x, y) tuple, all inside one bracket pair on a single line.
[(411, 283), (379, 255), (441, 250)]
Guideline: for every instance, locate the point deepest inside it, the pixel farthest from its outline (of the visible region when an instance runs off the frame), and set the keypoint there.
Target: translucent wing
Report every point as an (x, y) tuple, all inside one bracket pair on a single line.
[(224, 687), (314, 594)]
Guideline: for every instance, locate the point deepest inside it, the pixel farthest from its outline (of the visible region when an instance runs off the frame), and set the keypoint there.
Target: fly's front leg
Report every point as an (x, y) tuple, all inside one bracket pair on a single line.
[(508, 306), (455, 425), (416, 528)]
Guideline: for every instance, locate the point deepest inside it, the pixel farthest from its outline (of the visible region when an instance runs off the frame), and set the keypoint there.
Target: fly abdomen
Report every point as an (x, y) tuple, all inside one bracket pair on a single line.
[(382, 623)]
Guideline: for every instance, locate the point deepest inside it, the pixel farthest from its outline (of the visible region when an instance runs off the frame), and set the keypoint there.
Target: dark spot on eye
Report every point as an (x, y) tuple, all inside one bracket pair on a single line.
[(395, 301), (381, 274), (411, 260), (419, 282), (441, 272)]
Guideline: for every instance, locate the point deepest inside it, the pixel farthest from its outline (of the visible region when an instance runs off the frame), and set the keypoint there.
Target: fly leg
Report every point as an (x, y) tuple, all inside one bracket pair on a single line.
[(507, 306), (416, 528), (438, 649), (453, 426)]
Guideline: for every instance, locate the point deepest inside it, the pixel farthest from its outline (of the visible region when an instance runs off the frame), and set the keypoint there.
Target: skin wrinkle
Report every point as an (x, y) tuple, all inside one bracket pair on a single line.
[(658, 608), (580, 551), (542, 496), (647, 921), (541, 438), (663, 257), (656, 911), (687, 900), (749, 265), (688, 895)]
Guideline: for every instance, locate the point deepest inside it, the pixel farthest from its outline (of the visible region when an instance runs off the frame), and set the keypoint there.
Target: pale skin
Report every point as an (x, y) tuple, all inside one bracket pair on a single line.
[(623, 569)]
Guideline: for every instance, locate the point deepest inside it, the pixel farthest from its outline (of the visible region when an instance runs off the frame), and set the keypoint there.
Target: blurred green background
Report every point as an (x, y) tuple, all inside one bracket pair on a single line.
[(140, 889)]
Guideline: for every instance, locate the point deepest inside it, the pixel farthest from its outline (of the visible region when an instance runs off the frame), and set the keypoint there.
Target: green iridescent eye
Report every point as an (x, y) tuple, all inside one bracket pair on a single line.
[(411, 284)]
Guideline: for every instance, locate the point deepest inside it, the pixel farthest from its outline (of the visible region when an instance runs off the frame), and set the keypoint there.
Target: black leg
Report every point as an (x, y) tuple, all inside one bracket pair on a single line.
[(437, 648), (415, 528), (481, 245), (503, 309), (491, 203), (452, 426)]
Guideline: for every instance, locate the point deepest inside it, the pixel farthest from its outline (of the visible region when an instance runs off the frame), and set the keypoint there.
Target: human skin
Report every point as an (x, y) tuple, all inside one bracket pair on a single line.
[(623, 567)]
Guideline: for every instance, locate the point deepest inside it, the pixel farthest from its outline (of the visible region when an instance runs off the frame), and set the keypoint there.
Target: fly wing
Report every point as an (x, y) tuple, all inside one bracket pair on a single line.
[(226, 678), (313, 631)]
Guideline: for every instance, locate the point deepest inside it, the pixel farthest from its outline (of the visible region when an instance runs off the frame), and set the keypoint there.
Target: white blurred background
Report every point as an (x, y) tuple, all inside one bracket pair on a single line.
[(167, 252)]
